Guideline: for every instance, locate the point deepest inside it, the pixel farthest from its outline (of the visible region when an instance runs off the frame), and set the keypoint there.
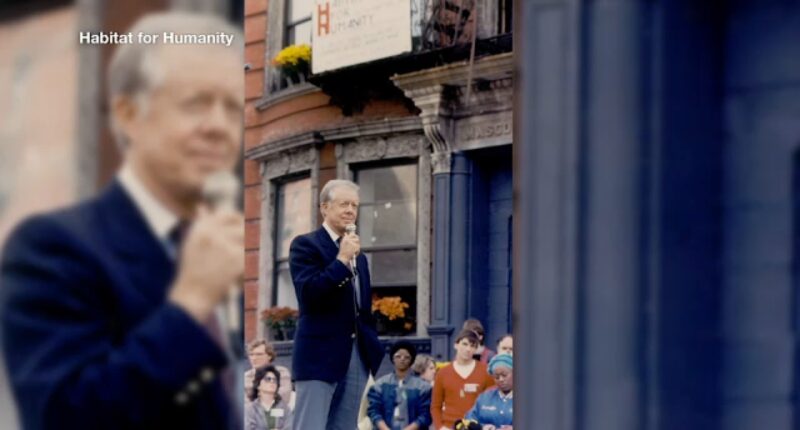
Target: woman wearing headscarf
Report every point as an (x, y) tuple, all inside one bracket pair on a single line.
[(494, 408), (266, 409)]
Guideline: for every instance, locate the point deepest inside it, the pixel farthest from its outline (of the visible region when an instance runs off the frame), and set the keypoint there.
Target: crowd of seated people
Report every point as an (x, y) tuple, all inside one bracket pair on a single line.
[(268, 390), (473, 391)]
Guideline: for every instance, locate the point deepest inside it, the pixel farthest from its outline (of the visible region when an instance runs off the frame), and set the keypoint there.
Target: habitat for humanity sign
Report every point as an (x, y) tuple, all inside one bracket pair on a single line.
[(347, 32)]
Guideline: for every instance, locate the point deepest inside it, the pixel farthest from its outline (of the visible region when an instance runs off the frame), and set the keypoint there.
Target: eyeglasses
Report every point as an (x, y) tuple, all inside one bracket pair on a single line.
[(270, 379)]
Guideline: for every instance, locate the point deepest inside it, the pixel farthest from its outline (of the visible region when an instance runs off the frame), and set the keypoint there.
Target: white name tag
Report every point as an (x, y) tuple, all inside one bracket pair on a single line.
[(277, 413), (470, 388)]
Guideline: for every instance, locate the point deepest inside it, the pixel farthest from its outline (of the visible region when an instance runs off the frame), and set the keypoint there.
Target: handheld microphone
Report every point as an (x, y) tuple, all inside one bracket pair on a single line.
[(220, 191), (351, 229)]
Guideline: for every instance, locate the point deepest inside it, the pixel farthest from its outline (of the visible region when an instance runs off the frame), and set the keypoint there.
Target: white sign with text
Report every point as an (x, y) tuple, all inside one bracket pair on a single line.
[(347, 32)]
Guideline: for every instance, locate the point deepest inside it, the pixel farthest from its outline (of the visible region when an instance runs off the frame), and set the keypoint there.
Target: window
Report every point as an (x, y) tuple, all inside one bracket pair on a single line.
[(292, 218), (298, 22), (419, 9), (388, 229), (506, 17)]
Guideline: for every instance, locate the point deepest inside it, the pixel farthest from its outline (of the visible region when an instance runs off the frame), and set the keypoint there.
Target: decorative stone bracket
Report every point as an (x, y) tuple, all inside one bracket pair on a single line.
[(439, 94), (436, 118)]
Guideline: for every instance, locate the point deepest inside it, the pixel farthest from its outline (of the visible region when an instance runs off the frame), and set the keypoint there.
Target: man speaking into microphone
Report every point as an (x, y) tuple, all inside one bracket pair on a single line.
[(108, 307), (336, 344)]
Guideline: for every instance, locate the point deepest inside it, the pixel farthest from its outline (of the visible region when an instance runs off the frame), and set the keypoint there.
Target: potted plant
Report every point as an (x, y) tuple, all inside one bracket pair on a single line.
[(289, 324), (281, 320), (294, 63), (390, 315)]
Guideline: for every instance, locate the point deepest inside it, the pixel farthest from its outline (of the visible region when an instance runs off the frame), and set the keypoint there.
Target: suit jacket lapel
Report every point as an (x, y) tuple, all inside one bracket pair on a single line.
[(144, 257), (329, 247)]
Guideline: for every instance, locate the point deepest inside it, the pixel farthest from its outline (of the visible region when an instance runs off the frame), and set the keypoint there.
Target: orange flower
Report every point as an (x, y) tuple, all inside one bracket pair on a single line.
[(392, 307), (280, 315)]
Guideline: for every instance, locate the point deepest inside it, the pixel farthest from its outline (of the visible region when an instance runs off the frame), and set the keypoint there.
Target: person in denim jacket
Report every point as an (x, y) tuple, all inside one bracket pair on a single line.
[(400, 400)]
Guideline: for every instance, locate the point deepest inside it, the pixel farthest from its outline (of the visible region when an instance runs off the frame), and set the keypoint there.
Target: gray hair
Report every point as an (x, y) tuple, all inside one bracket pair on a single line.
[(327, 191), (421, 363), (133, 69)]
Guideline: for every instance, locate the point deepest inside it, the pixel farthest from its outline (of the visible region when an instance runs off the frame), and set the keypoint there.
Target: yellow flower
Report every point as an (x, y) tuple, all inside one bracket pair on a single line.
[(292, 56), (392, 307)]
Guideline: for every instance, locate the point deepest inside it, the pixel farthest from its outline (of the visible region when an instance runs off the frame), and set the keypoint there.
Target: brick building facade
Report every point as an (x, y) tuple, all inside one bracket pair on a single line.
[(434, 166)]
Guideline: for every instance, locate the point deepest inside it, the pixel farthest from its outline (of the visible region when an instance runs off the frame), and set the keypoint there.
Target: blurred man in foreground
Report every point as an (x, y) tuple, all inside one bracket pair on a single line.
[(107, 307)]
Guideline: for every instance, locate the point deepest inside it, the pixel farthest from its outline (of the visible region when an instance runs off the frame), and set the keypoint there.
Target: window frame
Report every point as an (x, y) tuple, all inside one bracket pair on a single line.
[(392, 142), (355, 169), (303, 159), (276, 37), (277, 261), (289, 24)]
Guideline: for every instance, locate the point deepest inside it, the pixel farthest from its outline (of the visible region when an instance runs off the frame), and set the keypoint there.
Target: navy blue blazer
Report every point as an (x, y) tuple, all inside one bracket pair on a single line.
[(89, 340), (328, 318)]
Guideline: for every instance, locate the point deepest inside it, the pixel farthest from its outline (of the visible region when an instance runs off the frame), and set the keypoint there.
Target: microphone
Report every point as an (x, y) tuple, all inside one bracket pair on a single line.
[(351, 229), (220, 191)]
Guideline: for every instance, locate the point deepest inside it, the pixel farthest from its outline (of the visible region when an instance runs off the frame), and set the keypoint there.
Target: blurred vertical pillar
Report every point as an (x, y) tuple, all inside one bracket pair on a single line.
[(616, 159), (611, 256), (578, 266), (546, 178), (685, 357)]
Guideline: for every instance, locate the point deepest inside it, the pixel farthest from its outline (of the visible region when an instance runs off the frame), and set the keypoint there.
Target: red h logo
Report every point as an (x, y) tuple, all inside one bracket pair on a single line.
[(324, 19)]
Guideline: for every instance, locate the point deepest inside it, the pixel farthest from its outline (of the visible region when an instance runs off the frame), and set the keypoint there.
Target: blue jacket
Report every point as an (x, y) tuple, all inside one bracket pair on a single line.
[(491, 408), (89, 340), (328, 321), (383, 397)]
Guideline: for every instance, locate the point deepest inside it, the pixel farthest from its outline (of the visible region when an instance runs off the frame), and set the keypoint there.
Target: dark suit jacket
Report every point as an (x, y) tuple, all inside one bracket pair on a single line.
[(89, 340), (328, 318)]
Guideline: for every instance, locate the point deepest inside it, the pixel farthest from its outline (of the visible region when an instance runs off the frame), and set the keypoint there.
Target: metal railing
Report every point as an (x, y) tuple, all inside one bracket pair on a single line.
[(442, 23)]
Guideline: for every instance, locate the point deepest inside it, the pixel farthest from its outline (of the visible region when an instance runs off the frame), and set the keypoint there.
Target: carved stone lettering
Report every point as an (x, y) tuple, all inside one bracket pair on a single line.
[(486, 131)]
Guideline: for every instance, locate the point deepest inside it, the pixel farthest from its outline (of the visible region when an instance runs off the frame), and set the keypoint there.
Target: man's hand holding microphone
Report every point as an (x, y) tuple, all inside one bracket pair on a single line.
[(349, 247), (212, 255)]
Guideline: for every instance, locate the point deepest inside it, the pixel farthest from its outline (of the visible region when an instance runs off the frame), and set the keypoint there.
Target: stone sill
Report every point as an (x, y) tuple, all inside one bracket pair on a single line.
[(286, 94)]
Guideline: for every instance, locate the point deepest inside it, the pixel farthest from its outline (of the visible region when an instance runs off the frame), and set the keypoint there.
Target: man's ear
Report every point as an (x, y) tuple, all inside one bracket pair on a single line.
[(124, 111)]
